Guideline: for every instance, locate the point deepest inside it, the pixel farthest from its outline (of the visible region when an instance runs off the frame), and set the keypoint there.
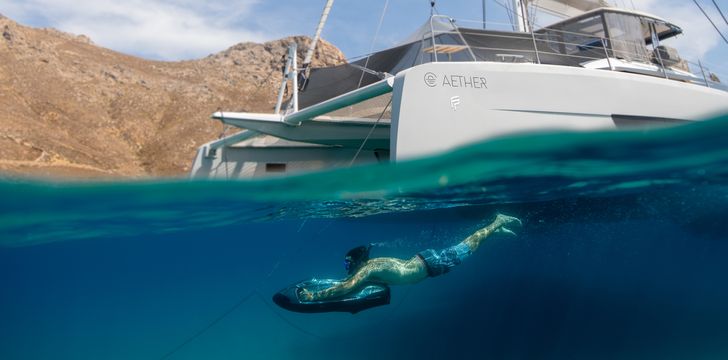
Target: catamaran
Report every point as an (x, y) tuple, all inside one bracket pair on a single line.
[(447, 86)]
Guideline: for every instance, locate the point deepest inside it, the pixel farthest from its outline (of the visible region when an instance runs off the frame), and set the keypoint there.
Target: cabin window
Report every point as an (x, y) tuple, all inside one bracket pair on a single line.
[(584, 37), (627, 36), (275, 168)]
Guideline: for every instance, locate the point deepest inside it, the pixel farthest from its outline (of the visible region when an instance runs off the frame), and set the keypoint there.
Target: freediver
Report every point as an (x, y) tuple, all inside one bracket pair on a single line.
[(393, 271)]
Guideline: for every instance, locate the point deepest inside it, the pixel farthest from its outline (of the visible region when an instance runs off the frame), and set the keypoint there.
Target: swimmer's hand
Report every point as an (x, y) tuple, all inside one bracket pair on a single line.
[(305, 295), (502, 222)]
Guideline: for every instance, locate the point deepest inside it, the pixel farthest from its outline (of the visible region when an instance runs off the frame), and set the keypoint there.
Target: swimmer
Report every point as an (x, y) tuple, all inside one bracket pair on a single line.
[(393, 271)]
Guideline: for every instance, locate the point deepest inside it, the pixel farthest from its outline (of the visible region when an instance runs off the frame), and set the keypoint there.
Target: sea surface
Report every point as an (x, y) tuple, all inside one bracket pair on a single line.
[(623, 254)]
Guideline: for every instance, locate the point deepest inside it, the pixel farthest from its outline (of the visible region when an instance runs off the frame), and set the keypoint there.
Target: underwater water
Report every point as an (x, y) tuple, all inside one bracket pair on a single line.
[(623, 253)]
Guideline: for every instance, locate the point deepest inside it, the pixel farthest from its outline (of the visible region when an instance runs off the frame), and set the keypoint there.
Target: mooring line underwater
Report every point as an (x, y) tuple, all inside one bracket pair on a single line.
[(264, 298), (229, 311), (257, 293), (277, 311), (247, 297), (214, 322)]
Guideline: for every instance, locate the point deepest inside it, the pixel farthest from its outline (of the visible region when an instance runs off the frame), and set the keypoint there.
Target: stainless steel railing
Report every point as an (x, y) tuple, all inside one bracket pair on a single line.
[(577, 49)]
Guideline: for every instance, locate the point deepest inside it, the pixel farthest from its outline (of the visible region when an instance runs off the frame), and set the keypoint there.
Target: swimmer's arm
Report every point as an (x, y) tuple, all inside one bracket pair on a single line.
[(337, 290)]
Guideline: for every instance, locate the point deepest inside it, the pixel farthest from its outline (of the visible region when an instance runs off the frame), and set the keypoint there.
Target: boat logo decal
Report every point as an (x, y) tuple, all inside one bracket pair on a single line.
[(430, 79), (455, 102)]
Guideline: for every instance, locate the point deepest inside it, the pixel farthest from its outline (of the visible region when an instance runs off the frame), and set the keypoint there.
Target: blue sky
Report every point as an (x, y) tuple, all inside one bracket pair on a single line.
[(188, 29)]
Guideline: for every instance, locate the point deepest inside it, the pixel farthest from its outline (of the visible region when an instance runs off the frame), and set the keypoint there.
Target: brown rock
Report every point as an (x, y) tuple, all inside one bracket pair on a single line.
[(72, 109)]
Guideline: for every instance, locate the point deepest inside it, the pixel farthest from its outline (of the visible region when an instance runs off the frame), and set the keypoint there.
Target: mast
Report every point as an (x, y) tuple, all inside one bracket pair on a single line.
[(317, 36)]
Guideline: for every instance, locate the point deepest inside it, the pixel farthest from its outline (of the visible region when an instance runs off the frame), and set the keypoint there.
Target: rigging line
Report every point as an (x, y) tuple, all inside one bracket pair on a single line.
[(711, 21), (720, 12), (376, 35), (532, 14), (508, 11), (370, 132), (260, 84), (433, 8)]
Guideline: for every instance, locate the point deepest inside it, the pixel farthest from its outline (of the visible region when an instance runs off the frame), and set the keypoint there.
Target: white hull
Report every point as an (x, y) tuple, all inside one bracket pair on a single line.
[(452, 111), (441, 106)]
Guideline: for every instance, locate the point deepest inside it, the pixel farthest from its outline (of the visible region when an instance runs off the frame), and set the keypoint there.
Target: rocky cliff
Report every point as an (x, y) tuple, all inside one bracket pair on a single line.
[(69, 108)]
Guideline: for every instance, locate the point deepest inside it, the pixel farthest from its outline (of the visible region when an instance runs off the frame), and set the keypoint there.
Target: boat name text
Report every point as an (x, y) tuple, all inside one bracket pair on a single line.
[(456, 81)]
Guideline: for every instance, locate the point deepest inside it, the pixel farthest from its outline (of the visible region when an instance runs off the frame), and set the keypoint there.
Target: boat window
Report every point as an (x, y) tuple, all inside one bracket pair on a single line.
[(665, 31), (275, 168), (583, 35), (627, 35)]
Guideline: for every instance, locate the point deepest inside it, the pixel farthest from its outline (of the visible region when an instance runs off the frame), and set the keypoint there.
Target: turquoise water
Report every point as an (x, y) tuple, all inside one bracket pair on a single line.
[(622, 255)]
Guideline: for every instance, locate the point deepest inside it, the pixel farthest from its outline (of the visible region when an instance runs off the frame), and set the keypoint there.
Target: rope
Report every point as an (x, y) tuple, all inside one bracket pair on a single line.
[(260, 84), (720, 12), (532, 15), (711, 21), (508, 11), (280, 316), (370, 132), (214, 322), (244, 299), (374, 40), (229, 311)]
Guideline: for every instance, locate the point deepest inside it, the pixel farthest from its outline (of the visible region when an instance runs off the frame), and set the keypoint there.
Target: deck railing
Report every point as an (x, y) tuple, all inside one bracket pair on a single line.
[(561, 47)]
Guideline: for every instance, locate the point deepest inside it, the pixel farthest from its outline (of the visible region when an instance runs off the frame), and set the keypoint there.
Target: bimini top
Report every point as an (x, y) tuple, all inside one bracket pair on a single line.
[(664, 28)]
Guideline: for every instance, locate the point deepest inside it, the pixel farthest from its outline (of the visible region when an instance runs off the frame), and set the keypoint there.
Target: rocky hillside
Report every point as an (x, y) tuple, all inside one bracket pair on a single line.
[(69, 108)]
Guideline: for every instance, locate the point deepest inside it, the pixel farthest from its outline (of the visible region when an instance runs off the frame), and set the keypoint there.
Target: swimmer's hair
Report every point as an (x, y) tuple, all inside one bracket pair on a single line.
[(356, 257)]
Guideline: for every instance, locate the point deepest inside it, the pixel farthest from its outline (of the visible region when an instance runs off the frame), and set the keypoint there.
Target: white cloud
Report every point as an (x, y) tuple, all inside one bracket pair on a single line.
[(159, 29)]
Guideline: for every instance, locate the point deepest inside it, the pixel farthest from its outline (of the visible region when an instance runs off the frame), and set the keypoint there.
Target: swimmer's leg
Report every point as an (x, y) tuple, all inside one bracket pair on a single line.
[(441, 262), (498, 225)]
